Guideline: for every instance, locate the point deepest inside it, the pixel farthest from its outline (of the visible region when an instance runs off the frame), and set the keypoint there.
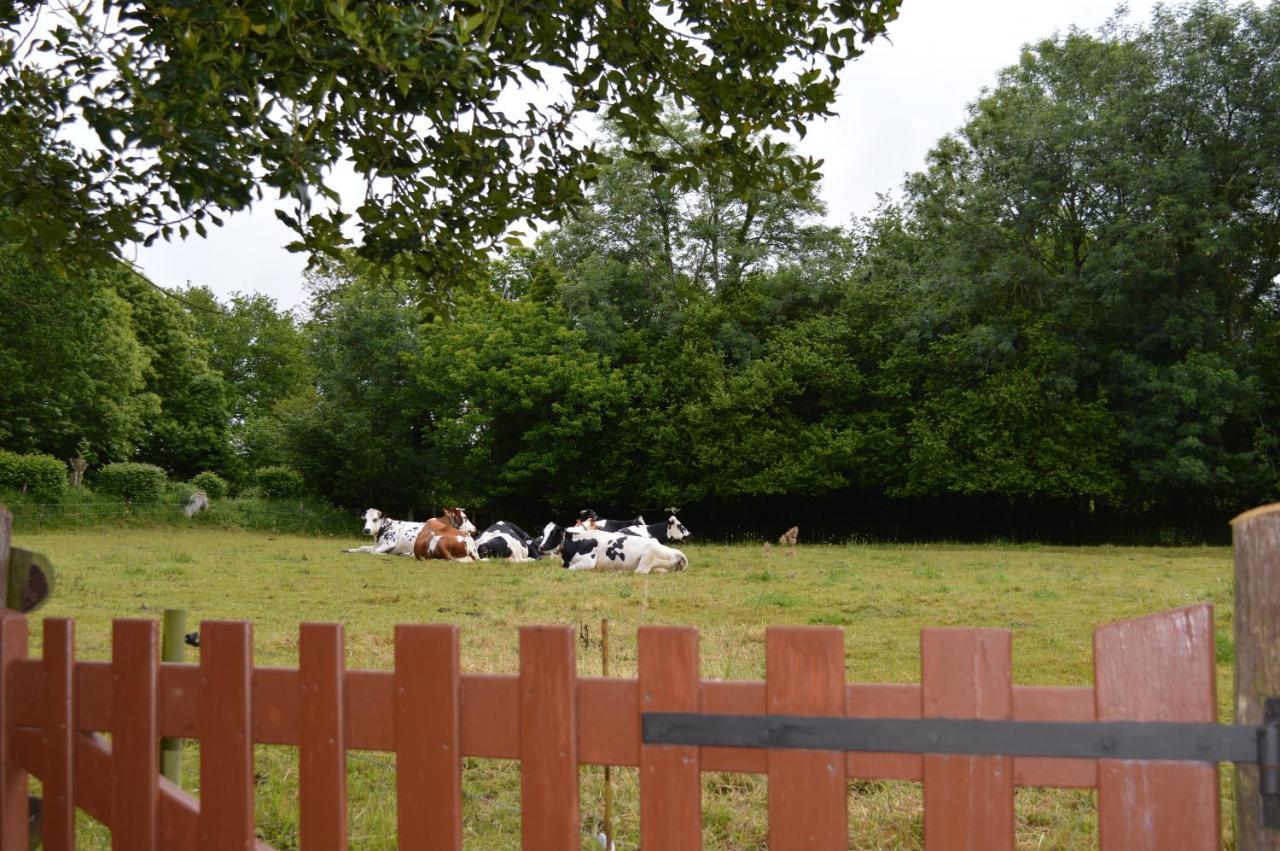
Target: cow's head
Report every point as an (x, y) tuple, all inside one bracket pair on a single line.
[(458, 519), (551, 539), (372, 521), (676, 530)]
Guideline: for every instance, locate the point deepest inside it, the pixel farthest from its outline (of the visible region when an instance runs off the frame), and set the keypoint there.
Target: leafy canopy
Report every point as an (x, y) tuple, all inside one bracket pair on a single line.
[(194, 107)]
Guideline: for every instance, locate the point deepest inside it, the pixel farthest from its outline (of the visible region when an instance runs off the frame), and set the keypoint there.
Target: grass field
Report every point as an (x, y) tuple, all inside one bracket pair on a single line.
[(881, 595)]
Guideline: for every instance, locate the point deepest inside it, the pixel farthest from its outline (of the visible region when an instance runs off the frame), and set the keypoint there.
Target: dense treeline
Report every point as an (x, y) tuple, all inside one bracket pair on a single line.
[(1067, 326)]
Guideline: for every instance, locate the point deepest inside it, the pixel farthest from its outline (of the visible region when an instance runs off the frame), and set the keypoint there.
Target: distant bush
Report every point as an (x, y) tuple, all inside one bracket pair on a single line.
[(43, 477), (279, 482), (132, 482), (214, 486)]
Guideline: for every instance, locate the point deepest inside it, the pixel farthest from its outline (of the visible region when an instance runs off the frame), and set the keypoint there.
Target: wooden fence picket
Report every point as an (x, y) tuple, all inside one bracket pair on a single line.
[(808, 808), (13, 775), (1157, 668), (428, 738), (59, 778), (670, 775), (968, 801), (226, 736), (322, 749), (135, 734), (548, 739)]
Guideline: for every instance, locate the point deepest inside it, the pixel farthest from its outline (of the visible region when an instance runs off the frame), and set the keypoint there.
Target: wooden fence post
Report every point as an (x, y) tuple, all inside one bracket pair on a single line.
[(968, 800), (1157, 668), (6, 530), (548, 739), (670, 779), (173, 630), (1257, 642), (804, 675), (13, 779)]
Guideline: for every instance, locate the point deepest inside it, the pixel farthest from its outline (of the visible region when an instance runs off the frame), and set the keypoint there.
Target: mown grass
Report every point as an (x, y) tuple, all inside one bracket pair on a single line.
[(880, 595)]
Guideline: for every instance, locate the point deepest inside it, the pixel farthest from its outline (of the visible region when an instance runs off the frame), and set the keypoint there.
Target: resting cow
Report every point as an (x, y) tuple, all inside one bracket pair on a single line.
[(550, 541), (390, 537), (507, 540), (588, 520), (447, 537), (672, 530), (451, 519), (589, 550), (453, 546)]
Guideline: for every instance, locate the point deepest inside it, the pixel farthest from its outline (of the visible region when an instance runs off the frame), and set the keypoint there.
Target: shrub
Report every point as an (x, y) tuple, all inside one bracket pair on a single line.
[(132, 482), (214, 486), (279, 482), (42, 476)]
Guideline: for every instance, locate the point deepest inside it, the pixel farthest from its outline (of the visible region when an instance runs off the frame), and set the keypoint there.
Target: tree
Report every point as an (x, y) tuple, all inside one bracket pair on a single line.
[(188, 432), (195, 107), (1094, 262), (259, 350), (71, 368)]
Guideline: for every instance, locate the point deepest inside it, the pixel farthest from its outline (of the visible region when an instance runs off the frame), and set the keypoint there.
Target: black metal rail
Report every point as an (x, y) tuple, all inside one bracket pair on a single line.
[(1130, 740)]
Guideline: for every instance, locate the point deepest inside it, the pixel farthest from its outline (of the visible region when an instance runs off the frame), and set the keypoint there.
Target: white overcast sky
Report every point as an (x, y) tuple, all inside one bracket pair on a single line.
[(894, 104)]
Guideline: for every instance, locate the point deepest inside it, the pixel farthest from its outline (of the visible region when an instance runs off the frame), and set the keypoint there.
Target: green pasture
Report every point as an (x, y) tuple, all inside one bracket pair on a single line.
[(1050, 597)]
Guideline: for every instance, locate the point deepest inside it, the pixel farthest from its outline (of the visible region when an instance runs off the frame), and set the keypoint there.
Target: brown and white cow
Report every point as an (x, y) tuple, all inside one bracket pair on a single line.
[(447, 537)]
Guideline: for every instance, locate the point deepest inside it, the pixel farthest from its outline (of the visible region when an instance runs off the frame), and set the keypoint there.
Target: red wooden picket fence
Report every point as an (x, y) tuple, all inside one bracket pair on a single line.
[(431, 715)]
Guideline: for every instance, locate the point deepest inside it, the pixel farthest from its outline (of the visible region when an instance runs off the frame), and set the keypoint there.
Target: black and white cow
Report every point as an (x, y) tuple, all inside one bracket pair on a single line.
[(591, 550), (390, 537), (587, 519), (672, 530), (509, 541), (550, 541)]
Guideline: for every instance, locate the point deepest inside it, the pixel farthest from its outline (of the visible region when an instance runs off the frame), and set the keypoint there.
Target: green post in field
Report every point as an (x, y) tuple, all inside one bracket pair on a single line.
[(175, 628)]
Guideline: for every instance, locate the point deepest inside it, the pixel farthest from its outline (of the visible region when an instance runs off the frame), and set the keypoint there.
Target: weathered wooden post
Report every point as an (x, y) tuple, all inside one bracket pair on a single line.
[(6, 530), (1257, 554), (171, 650)]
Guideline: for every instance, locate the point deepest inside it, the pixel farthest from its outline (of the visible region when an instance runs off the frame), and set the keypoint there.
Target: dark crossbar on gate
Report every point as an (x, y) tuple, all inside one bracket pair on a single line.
[(1124, 740)]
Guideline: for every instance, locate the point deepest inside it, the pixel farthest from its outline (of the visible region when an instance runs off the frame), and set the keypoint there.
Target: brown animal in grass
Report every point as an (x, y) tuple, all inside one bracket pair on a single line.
[(447, 537), (451, 546), (789, 537), (450, 520)]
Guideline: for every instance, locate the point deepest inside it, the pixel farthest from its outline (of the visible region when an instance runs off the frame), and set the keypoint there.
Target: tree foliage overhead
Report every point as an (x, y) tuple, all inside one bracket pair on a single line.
[(1071, 314), (194, 107)]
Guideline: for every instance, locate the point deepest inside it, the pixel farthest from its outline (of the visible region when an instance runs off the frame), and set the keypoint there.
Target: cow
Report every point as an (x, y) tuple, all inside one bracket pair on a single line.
[(587, 519), (589, 550), (447, 537), (672, 530), (451, 519), (390, 537), (509, 541), (550, 541), (453, 546), (789, 537)]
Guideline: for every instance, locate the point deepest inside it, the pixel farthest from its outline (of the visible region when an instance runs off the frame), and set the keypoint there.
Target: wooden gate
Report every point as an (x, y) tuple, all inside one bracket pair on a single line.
[(430, 715)]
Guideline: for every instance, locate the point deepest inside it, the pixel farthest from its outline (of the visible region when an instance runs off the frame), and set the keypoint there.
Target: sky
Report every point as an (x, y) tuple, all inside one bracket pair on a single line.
[(894, 103)]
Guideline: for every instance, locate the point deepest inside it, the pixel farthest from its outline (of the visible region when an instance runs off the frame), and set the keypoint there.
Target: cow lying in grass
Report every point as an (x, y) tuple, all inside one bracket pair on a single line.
[(672, 530), (507, 540), (585, 549), (390, 537), (447, 537), (450, 520), (550, 541), (588, 520)]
